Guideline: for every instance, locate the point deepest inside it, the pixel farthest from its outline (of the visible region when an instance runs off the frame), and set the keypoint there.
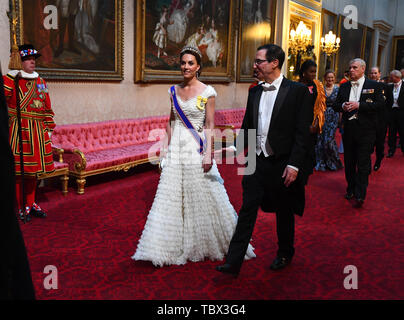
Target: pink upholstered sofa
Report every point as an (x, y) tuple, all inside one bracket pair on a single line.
[(229, 121), (95, 148)]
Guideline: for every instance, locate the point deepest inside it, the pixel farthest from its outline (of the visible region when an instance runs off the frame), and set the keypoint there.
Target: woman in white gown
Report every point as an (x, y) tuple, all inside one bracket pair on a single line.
[(191, 217)]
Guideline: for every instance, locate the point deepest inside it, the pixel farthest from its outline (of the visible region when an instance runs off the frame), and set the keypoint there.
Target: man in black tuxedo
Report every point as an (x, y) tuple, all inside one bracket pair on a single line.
[(360, 101), (15, 274), (382, 118), (397, 112), (278, 115)]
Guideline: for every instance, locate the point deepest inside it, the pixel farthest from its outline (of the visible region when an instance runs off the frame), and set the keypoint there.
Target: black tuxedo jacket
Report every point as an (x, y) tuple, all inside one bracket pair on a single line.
[(400, 100), (370, 103), (291, 118), (388, 102), (288, 136)]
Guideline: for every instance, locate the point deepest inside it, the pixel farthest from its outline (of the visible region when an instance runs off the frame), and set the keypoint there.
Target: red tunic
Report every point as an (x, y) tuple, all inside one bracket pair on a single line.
[(36, 122)]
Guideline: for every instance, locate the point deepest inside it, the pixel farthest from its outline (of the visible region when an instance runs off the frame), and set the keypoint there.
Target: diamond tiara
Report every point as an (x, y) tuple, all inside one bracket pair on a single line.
[(192, 49)]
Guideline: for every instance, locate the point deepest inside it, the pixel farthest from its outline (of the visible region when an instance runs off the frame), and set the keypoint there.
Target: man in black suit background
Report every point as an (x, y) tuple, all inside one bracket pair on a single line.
[(359, 100), (383, 117), (397, 112), (279, 115)]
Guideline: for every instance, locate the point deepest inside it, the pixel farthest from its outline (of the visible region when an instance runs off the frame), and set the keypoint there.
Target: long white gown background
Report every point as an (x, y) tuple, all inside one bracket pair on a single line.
[(191, 217)]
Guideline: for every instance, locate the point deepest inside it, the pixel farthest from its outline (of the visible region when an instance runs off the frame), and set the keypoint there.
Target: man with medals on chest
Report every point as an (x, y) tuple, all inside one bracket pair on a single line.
[(37, 124), (359, 100)]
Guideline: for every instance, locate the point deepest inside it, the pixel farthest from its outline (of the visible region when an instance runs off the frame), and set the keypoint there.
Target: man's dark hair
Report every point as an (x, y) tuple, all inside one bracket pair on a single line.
[(274, 52)]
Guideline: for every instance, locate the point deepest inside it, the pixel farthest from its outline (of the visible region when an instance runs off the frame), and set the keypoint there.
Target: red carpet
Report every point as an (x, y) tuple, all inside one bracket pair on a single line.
[(91, 238)]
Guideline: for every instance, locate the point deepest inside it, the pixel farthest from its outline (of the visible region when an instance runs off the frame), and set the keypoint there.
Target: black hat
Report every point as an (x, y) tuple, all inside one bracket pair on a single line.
[(28, 50)]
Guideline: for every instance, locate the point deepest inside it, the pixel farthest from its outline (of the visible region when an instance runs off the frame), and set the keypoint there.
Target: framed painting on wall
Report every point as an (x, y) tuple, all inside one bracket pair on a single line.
[(368, 48), (164, 27), (352, 46), (256, 28), (398, 53), (78, 40)]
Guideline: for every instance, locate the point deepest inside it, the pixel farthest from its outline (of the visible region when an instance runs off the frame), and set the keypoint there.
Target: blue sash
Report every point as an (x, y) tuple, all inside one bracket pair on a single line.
[(187, 123)]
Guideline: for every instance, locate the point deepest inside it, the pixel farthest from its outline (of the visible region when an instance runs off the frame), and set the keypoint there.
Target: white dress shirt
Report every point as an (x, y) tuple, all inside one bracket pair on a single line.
[(266, 107), (355, 93), (356, 90), (396, 93)]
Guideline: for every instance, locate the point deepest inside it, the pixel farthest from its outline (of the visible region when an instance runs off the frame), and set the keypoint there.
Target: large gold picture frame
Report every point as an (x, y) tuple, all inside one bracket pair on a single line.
[(87, 44), (329, 22), (257, 23), (397, 61), (312, 19), (163, 28), (355, 43)]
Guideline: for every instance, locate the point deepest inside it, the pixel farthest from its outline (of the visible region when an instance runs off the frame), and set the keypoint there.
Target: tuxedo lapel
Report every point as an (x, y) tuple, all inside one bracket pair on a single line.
[(400, 95), (347, 92), (256, 106), (282, 93)]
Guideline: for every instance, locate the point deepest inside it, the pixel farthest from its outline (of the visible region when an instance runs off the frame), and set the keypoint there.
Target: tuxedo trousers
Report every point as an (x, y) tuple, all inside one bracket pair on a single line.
[(396, 126), (381, 133), (358, 147), (265, 181)]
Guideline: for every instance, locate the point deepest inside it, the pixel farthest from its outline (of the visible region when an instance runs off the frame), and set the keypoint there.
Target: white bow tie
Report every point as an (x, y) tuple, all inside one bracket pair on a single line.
[(355, 83)]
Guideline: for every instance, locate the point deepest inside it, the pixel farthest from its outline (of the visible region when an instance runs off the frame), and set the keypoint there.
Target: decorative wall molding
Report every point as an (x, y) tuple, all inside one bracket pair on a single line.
[(382, 26), (312, 4)]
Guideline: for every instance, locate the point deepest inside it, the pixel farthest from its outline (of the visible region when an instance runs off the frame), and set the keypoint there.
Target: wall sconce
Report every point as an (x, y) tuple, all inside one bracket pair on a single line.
[(330, 43)]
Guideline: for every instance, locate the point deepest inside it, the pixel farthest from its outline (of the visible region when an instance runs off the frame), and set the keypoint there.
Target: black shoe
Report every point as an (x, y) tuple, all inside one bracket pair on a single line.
[(280, 263), (26, 217), (358, 203), (228, 269), (390, 154), (348, 196), (36, 211), (377, 164)]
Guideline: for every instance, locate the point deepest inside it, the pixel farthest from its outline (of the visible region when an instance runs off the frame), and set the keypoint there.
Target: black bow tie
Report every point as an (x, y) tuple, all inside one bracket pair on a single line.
[(268, 87)]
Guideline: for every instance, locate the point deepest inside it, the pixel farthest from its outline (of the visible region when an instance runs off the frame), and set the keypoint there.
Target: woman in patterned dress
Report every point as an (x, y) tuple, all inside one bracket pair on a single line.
[(327, 156)]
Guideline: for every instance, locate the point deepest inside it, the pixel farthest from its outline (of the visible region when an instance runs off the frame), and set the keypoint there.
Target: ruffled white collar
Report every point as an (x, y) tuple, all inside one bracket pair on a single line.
[(24, 75)]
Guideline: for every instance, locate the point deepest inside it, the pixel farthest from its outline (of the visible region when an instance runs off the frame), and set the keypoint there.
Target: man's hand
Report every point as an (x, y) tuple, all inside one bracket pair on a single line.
[(351, 106), (290, 176)]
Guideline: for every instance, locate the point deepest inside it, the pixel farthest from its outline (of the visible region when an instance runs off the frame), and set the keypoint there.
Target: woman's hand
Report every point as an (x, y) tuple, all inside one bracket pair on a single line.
[(207, 162)]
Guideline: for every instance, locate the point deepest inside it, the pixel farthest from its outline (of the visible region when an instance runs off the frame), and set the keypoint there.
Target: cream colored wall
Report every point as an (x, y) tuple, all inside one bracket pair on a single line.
[(88, 102)]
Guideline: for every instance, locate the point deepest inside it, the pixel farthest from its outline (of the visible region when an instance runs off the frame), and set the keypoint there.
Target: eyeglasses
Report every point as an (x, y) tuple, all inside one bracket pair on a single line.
[(259, 61)]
